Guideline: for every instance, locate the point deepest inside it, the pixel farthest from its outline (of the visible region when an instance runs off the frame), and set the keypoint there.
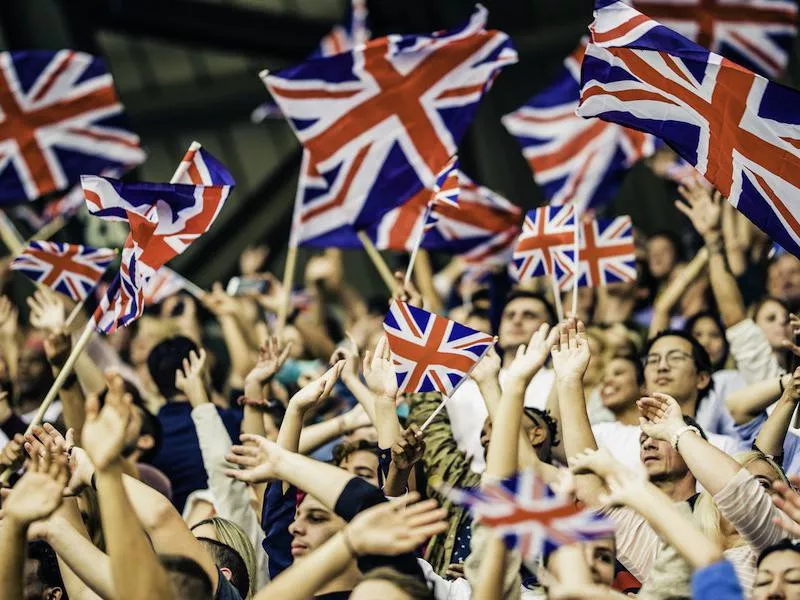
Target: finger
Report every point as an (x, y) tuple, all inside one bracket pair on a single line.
[(238, 475), (563, 337), (352, 342), (403, 501), (572, 335), (246, 450), (242, 461), (683, 207), (431, 515), (285, 353), (256, 440)]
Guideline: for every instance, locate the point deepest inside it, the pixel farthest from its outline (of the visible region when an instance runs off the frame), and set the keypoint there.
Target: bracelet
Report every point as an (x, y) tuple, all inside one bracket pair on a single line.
[(677, 436), (347, 543)]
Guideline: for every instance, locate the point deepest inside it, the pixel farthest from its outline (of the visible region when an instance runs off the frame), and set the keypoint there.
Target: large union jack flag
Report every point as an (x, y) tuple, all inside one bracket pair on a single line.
[(59, 118), (546, 245), (431, 353), (71, 269), (574, 160), (380, 122), (739, 130), (529, 516), (607, 253), (164, 220), (757, 34)]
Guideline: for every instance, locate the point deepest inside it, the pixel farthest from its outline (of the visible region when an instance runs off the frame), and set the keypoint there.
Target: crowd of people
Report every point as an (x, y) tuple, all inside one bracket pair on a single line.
[(209, 452)]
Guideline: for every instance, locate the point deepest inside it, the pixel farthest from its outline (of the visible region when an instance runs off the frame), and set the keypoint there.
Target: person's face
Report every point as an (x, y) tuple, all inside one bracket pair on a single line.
[(313, 525), (764, 474), (362, 464), (778, 577), (601, 556), (32, 370), (619, 388), (670, 369), (660, 460), (707, 332), (783, 279), (35, 589), (660, 256), (521, 318), (481, 324), (376, 588), (486, 435), (773, 319)]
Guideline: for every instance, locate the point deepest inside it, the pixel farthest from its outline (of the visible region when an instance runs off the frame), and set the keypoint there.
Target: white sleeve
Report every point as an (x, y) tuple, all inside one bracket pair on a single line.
[(752, 352), (442, 588)]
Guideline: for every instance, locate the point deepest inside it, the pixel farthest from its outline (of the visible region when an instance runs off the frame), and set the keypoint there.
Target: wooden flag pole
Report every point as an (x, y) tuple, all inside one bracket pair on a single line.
[(288, 283), (417, 245), (377, 260), (49, 230), (10, 235), (557, 299), (576, 252)]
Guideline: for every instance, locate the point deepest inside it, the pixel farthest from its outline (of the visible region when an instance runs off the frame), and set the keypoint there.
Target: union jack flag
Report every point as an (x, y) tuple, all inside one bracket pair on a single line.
[(164, 284), (739, 130), (574, 160), (431, 353), (445, 194), (59, 118), (71, 269), (757, 34), (381, 121), (529, 516), (342, 38), (607, 254), (547, 245), (164, 220)]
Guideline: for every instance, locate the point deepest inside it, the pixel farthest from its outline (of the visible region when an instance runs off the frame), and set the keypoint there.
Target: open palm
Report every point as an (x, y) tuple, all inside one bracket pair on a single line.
[(258, 458), (571, 355), (379, 372)]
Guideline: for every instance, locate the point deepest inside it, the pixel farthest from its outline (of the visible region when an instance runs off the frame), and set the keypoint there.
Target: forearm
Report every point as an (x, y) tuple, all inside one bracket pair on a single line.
[(361, 392), (773, 433), (291, 429), (711, 467), (316, 338), (749, 402), (12, 548), (723, 283), (238, 348), (491, 394), (423, 275), (72, 403), (323, 481), (136, 571), (577, 430), (490, 584), (673, 292), (503, 458), (396, 481), (319, 434), (89, 374), (84, 559), (253, 421), (10, 350), (387, 422)]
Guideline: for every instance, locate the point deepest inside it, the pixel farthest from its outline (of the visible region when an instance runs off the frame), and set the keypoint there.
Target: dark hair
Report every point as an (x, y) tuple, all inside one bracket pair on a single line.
[(414, 587), (674, 239), (47, 571), (164, 361), (226, 557), (188, 579), (516, 294), (706, 314), (785, 545), (547, 419), (345, 449), (478, 313), (692, 423), (761, 302), (699, 355)]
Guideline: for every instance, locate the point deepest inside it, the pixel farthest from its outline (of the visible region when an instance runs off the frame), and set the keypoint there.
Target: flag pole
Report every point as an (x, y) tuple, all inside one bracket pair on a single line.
[(377, 260), (10, 234), (49, 230), (288, 283), (576, 251), (557, 299), (417, 244)]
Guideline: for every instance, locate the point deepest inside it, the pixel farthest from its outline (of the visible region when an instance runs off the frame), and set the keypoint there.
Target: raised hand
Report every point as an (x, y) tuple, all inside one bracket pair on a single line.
[(794, 324), (47, 311), (703, 210), (488, 368), (9, 318), (252, 260), (12, 456), (272, 298), (271, 357), (39, 492), (395, 527), (571, 354), (600, 462), (218, 302), (191, 378), (788, 501), (57, 348), (348, 352), (408, 449), (407, 293), (531, 357), (105, 431), (258, 457), (625, 487), (661, 416), (379, 372), (315, 393)]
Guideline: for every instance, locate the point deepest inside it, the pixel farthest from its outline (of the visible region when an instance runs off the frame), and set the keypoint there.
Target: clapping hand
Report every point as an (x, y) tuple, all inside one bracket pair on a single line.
[(379, 372), (572, 354), (106, 431), (191, 378), (531, 357), (661, 416), (47, 311)]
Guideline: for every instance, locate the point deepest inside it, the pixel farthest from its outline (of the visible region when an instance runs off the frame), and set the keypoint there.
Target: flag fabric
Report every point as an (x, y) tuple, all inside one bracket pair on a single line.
[(574, 160), (164, 284), (546, 245), (738, 129), (354, 31), (60, 117), (380, 122), (607, 253), (757, 34), (529, 516), (445, 194), (431, 353), (71, 269), (164, 220)]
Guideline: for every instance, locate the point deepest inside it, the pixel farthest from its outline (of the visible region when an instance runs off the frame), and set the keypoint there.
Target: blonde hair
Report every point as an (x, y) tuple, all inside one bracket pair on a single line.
[(230, 534), (707, 514)]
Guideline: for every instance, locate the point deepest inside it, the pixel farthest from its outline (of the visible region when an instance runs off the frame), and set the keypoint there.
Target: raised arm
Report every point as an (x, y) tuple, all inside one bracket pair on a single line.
[(667, 300), (746, 403), (773, 433), (224, 308), (271, 356), (382, 381), (57, 347), (9, 327)]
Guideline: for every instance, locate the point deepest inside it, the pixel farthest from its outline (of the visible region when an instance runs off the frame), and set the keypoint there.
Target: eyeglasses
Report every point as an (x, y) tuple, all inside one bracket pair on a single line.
[(674, 358)]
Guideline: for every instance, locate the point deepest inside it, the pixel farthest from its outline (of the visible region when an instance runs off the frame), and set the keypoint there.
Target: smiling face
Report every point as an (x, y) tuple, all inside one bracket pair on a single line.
[(521, 318), (778, 577), (670, 369), (619, 388), (313, 525), (783, 279), (773, 319)]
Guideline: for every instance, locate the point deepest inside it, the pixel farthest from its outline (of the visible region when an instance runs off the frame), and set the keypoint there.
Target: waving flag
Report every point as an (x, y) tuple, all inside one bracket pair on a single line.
[(59, 118), (380, 122), (164, 220), (71, 269), (446, 195), (164, 284), (574, 160), (546, 245), (431, 353), (528, 515), (757, 34), (607, 253), (739, 130)]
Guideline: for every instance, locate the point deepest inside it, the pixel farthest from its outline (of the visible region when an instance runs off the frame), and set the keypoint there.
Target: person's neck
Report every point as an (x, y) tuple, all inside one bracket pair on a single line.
[(679, 490), (627, 415), (344, 582), (689, 407)]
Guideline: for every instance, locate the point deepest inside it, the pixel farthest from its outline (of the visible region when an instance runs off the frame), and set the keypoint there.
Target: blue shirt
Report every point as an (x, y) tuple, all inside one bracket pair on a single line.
[(179, 457), (716, 582), (791, 444)]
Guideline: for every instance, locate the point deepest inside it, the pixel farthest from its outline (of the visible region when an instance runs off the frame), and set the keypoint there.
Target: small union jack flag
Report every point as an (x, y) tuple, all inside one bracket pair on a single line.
[(431, 353), (381, 121), (607, 253), (546, 245), (528, 515), (738, 129), (757, 34), (445, 194), (71, 269), (164, 220), (574, 160), (59, 118), (164, 283)]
